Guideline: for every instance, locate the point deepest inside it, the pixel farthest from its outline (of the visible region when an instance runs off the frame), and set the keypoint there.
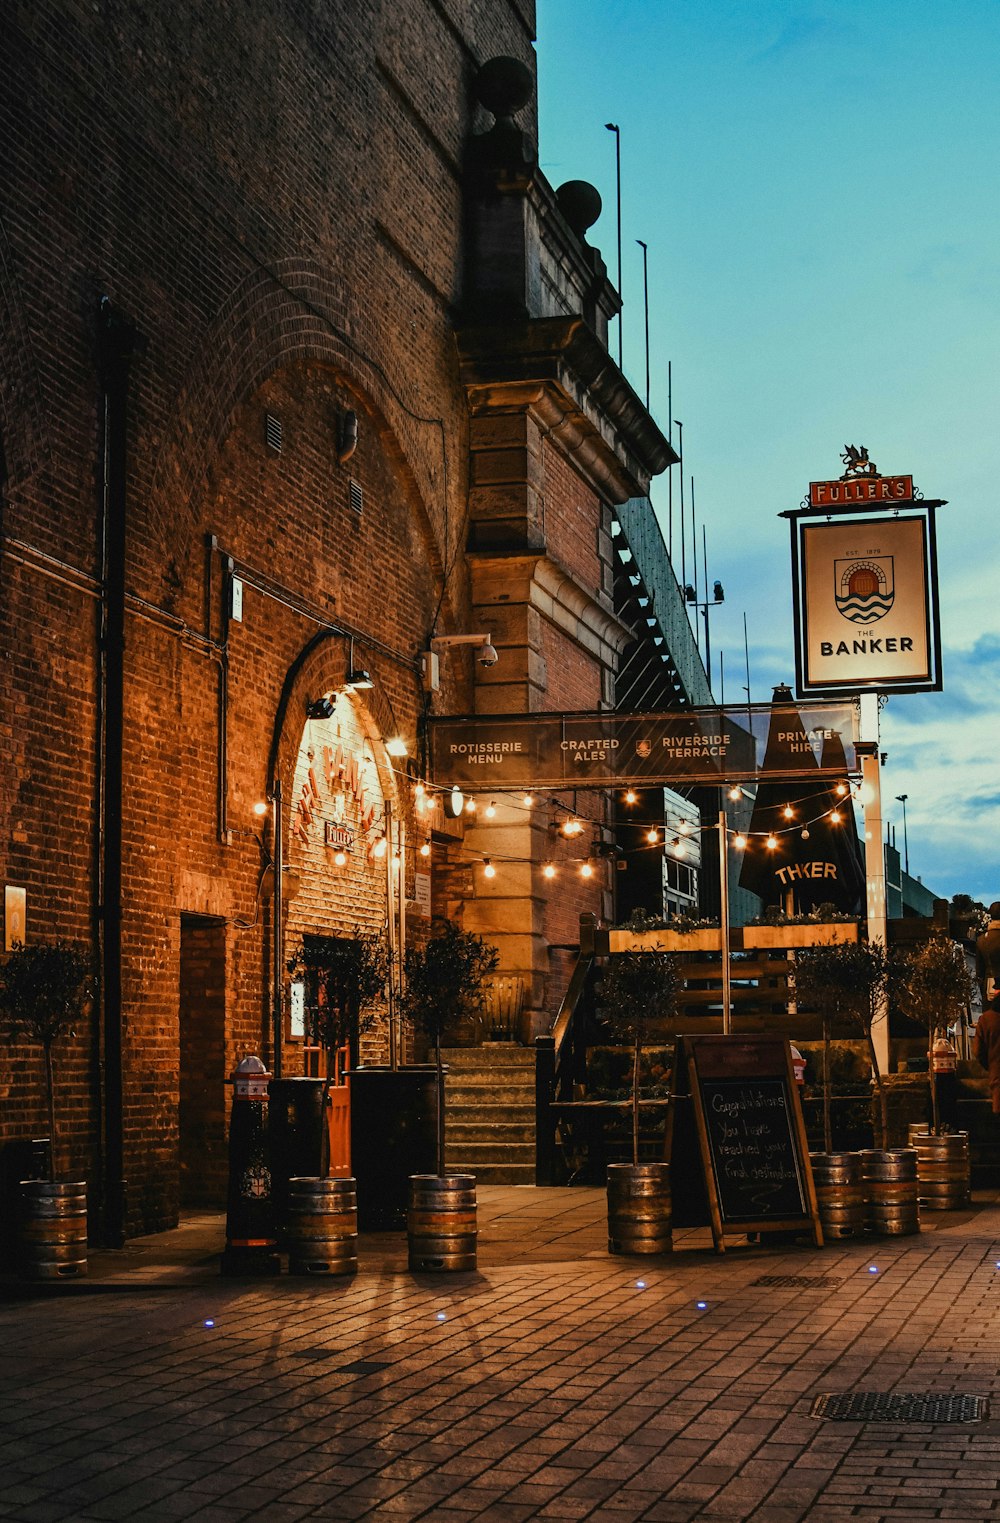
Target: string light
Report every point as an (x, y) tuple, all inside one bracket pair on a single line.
[(381, 847), (572, 827), (340, 858), (771, 843), (457, 801), (396, 746), (490, 810), (788, 812), (586, 870), (835, 817), (470, 806), (678, 845), (740, 842), (548, 870), (631, 797), (841, 789), (735, 792), (425, 847), (489, 871), (652, 835), (805, 835), (260, 808), (528, 800)]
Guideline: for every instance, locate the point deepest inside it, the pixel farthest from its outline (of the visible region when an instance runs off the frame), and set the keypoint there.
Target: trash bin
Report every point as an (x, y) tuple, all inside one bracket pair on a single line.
[(295, 1137), (393, 1135)]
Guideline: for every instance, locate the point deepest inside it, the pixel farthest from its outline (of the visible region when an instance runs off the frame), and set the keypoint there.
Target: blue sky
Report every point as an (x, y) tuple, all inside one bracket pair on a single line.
[(817, 185)]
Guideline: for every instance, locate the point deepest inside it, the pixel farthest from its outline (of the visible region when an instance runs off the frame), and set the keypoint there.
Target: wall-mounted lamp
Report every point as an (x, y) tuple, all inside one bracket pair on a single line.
[(347, 436), (396, 747), (320, 708), (430, 669)]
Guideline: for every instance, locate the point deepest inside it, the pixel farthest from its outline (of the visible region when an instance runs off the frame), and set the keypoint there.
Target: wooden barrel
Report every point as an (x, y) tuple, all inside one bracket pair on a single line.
[(891, 1191), (322, 1226), (840, 1193), (441, 1221), (54, 1230), (943, 1169), (639, 1208)]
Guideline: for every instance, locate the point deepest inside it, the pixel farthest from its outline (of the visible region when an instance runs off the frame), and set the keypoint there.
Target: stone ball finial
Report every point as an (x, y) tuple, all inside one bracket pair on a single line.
[(580, 203), (503, 86)]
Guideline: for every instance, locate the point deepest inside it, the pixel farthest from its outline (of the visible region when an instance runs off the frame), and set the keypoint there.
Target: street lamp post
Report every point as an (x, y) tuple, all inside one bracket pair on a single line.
[(901, 799), (612, 127)]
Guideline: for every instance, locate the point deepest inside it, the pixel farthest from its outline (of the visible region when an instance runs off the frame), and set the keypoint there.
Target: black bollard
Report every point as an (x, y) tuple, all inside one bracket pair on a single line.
[(251, 1245)]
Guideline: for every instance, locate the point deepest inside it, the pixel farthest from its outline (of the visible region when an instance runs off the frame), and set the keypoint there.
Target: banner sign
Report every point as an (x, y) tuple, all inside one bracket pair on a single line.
[(703, 745), (860, 490), (865, 613)]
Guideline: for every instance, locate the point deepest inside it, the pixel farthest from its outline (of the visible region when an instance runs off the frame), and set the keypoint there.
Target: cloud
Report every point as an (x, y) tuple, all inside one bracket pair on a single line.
[(801, 34)]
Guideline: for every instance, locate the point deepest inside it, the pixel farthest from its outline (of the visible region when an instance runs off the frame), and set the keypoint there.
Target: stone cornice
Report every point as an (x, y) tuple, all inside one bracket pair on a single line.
[(558, 366), (543, 584)]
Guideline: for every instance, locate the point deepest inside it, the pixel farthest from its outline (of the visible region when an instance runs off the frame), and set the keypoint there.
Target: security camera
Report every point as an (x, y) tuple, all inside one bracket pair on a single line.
[(486, 654)]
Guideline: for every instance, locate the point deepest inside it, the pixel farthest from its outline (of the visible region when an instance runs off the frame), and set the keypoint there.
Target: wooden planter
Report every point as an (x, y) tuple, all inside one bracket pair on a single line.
[(831, 933), (708, 939)]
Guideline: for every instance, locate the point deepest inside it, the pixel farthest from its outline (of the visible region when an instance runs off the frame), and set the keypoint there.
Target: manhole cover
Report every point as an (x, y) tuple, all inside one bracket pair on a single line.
[(905, 1407), (363, 1367), (799, 1281)]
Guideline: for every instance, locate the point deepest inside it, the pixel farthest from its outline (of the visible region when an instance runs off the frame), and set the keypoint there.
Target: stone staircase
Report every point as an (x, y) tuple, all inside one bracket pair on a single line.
[(490, 1113)]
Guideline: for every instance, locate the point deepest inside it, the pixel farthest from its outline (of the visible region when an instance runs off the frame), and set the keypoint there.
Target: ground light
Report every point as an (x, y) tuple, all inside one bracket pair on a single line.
[(873, 1269)]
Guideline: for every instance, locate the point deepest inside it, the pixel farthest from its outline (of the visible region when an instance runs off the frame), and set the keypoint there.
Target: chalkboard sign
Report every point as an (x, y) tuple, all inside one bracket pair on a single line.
[(739, 1157)]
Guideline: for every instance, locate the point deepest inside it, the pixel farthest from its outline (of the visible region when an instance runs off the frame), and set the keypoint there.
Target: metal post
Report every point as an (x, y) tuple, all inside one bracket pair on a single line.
[(727, 989), (278, 933), (871, 792), (645, 304), (901, 799), (390, 921), (611, 126)]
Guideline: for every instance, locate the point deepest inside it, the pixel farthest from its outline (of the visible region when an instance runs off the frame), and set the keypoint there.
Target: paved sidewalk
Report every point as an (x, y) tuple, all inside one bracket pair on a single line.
[(556, 1382)]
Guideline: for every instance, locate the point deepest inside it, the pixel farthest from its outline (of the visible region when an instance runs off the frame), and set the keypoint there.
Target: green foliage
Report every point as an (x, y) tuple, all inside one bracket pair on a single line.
[(821, 915), (847, 981), (446, 979), (637, 988), (344, 980), (44, 990), (935, 984)]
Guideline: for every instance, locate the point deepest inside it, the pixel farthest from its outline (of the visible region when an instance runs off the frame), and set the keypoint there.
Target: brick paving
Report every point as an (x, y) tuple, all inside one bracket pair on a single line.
[(546, 1385)]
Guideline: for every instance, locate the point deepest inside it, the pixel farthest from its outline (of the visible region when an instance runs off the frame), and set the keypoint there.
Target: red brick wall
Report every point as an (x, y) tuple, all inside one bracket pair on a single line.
[(274, 202)]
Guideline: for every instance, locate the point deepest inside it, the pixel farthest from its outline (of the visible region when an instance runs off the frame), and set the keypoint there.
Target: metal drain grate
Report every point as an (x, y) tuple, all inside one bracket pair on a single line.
[(363, 1367), (799, 1281), (906, 1407)]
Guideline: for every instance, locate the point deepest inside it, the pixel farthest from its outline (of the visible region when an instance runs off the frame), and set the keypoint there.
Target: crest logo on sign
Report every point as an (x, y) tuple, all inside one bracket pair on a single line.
[(643, 747), (864, 589)]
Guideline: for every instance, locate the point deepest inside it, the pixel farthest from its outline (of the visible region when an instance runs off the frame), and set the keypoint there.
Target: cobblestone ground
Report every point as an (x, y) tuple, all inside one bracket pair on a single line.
[(556, 1382)]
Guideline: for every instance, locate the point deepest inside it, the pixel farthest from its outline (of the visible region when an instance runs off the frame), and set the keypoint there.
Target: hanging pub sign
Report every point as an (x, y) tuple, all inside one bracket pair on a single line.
[(704, 745), (865, 586)]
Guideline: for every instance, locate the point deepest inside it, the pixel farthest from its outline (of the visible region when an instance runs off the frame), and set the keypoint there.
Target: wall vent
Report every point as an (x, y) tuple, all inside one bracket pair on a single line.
[(272, 433), (355, 496)]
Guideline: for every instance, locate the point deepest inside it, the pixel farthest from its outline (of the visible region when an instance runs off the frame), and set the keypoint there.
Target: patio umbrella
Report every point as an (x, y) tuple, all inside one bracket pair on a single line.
[(816, 856)]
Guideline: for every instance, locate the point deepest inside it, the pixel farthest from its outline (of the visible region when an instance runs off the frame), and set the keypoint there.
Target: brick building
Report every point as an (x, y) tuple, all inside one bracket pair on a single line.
[(302, 362)]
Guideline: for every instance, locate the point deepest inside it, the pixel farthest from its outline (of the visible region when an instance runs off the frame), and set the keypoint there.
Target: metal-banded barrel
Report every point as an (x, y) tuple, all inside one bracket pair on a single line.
[(639, 1208), (441, 1221), (891, 1191), (943, 1169), (54, 1230), (322, 1226), (840, 1193)]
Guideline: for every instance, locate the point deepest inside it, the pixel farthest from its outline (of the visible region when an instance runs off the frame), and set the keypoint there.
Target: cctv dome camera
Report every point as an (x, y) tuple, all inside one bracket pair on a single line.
[(486, 655)]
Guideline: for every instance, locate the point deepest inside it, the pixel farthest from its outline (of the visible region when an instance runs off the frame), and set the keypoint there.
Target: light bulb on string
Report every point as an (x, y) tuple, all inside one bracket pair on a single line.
[(740, 842), (457, 801), (425, 848), (835, 817), (805, 833), (631, 797), (572, 827), (381, 846), (548, 871), (788, 812), (340, 859), (678, 847), (586, 870), (735, 792), (490, 810), (841, 789), (528, 800), (771, 843), (470, 806), (652, 836), (489, 871)]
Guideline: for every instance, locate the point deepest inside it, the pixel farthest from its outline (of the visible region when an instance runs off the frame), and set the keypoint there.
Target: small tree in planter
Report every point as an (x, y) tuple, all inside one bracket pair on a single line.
[(445, 981), (637, 990), (44, 992), (850, 982), (935, 988), (344, 980)]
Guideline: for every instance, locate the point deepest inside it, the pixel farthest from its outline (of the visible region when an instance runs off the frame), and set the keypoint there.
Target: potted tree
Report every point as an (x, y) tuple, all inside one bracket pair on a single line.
[(638, 990), (935, 988), (44, 992), (344, 981), (446, 981), (849, 981)]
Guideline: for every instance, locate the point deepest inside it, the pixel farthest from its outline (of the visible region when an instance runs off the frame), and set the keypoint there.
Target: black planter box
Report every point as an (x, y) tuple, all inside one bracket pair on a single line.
[(393, 1135)]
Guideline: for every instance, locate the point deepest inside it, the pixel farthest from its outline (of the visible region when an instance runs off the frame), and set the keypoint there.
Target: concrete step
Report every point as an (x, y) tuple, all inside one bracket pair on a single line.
[(489, 1094), (467, 1112), (498, 1134), (499, 1055), (496, 1173)]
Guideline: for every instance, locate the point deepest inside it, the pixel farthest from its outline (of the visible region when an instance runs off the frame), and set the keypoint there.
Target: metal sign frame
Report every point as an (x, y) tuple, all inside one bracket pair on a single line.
[(808, 686)]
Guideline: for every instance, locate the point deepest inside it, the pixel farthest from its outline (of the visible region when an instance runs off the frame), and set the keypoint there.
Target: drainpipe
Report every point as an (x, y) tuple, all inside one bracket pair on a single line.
[(116, 346)]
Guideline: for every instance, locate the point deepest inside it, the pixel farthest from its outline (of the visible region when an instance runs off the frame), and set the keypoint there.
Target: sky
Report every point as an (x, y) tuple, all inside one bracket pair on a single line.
[(817, 186)]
